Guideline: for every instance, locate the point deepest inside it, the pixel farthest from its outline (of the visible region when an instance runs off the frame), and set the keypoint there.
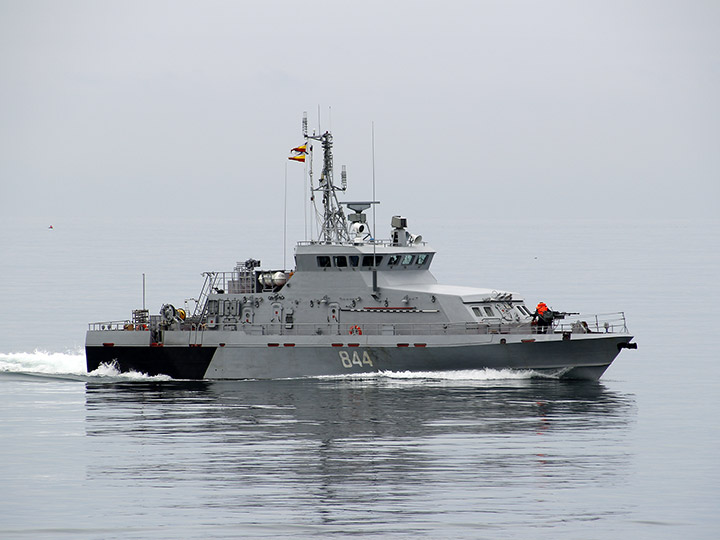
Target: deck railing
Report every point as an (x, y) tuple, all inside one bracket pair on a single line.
[(385, 242), (606, 323), (111, 325), (611, 323)]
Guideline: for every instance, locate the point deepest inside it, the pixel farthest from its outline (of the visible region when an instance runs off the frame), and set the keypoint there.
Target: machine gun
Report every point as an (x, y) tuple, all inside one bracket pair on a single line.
[(562, 314)]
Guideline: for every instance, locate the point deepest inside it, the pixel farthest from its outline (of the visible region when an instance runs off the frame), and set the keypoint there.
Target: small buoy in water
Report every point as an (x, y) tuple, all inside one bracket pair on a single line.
[(50, 227)]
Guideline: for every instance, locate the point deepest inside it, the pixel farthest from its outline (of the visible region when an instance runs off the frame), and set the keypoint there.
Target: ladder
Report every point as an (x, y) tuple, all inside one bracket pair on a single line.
[(202, 302), (201, 308)]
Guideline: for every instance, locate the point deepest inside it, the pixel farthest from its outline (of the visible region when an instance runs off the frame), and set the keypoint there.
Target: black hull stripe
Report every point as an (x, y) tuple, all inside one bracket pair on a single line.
[(177, 362)]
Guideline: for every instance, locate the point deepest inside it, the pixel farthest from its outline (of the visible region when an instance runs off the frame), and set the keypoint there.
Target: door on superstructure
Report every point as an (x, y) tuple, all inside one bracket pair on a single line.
[(276, 318), (334, 318)]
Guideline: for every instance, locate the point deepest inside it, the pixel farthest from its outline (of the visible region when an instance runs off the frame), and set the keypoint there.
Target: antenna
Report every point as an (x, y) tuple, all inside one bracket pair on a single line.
[(304, 124), (375, 287), (343, 177), (373, 181)]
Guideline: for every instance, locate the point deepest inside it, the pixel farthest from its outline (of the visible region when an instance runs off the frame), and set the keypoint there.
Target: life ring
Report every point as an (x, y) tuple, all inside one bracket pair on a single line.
[(355, 330)]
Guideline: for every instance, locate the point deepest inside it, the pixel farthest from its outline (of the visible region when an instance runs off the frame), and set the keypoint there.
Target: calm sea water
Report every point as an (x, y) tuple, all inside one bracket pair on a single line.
[(450, 455)]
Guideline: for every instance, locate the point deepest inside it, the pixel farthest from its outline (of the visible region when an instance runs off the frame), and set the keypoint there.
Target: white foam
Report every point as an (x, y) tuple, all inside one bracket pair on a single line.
[(71, 363), (111, 371), (51, 363), (461, 377)]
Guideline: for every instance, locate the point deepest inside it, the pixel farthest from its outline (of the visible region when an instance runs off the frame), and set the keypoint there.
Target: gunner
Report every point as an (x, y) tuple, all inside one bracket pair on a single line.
[(543, 317)]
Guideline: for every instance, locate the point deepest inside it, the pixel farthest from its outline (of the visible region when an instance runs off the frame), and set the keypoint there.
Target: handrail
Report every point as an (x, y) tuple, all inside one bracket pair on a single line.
[(599, 323), (378, 242), (611, 323), (109, 325)]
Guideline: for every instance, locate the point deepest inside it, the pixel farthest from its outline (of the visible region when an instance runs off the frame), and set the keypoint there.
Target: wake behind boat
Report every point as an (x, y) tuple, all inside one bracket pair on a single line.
[(352, 304)]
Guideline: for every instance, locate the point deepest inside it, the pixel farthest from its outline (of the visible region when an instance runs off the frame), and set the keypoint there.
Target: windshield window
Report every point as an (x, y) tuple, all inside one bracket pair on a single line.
[(368, 260)]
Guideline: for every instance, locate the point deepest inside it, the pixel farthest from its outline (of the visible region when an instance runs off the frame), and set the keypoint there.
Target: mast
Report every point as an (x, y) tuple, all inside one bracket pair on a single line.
[(334, 227)]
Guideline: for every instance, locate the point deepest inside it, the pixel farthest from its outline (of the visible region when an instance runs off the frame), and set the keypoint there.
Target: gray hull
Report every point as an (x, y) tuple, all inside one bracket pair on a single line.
[(585, 357)]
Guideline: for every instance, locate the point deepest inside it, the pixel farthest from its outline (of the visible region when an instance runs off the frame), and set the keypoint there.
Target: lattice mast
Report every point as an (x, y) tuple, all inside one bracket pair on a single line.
[(334, 227)]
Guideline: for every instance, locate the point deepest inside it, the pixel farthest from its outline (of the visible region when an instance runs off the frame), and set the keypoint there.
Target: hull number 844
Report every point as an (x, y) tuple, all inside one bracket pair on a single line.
[(355, 359)]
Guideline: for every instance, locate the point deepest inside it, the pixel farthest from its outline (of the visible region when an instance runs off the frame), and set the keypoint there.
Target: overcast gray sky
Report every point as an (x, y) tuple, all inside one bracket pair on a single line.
[(566, 107)]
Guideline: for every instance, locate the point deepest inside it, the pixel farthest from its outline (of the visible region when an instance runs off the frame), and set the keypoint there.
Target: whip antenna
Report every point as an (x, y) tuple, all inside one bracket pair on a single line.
[(375, 287), (373, 184), (285, 221)]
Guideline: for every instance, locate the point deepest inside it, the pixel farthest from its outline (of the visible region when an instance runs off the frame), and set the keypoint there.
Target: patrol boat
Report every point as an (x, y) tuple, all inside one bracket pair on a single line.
[(352, 304)]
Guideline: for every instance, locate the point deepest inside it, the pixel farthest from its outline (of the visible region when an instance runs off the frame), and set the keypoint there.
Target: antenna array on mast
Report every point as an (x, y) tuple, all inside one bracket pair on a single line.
[(334, 225)]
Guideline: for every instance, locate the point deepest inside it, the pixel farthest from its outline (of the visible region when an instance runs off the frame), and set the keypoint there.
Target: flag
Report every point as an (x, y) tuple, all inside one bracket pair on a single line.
[(300, 152)]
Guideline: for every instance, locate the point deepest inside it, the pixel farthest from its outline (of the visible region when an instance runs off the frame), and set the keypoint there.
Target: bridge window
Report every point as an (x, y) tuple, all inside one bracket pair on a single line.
[(368, 260), (408, 259), (340, 261), (323, 261), (354, 260), (393, 260), (421, 259), (489, 311)]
